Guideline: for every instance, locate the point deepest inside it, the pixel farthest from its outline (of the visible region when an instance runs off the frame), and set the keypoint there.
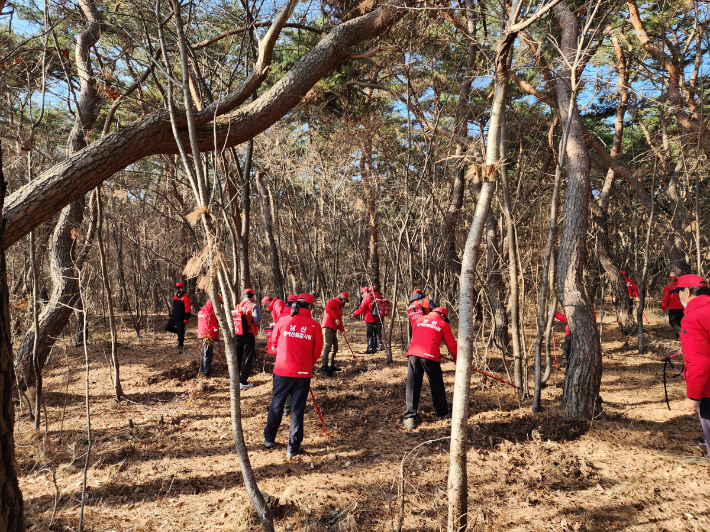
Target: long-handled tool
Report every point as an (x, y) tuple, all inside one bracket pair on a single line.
[(554, 348), (346, 341), (318, 410), (666, 361), (644, 317), (484, 373)]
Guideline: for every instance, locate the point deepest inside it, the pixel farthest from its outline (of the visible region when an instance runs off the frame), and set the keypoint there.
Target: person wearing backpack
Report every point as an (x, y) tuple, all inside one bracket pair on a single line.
[(368, 309), (180, 314), (207, 330), (246, 315)]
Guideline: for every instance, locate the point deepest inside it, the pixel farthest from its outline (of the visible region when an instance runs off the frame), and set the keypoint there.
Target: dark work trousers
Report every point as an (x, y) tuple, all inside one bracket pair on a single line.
[(631, 307), (298, 388), (704, 413), (378, 336), (674, 317), (245, 355), (207, 353), (330, 348), (371, 341), (567, 349), (416, 368), (176, 327)]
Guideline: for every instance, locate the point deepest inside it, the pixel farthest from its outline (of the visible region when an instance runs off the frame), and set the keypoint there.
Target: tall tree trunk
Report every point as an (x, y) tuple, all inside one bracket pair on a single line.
[(583, 376), (496, 288), (12, 517), (264, 194), (244, 271), (369, 183)]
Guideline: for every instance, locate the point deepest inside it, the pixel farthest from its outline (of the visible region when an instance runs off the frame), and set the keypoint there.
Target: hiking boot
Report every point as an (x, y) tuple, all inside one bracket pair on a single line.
[(290, 453), (334, 369), (369, 352), (409, 423), (179, 347), (563, 363), (326, 371), (444, 417), (287, 412), (268, 444), (243, 387), (701, 442)]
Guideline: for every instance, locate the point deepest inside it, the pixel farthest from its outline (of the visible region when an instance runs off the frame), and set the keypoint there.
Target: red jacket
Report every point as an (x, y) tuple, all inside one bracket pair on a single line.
[(563, 319), (366, 308), (418, 308), (333, 315), (299, 342), (671, 301), (246, 307), (427, 334), (695, 342), (276, 308), (631, 287), (207, 322)]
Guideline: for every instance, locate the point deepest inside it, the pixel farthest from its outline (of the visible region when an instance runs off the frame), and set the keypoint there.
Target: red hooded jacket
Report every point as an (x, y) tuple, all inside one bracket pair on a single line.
[(276, 308), (366, 307), (427, 334), (631, 287), (207, 322), (563, 319), (333, 315), (671, 301), (299, 342), (695, 342)]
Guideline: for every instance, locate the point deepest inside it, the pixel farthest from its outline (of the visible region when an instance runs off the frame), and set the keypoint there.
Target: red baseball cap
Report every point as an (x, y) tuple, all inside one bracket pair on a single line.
[(248, 292), (265, 300), (442, 311), (672, 278), (308, 298), (417, 291), (345, 296), (179, 285), (373, 288), (623, 273), (291, 298), (364, 289), (689, 281)]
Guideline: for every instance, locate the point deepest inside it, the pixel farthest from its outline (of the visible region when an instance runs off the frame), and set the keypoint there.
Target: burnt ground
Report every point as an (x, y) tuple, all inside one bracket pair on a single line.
[(164, 459)]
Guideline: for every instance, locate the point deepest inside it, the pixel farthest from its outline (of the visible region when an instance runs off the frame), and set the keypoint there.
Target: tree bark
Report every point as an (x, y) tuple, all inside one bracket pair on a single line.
[(371, 190), (584, 371), (496, 287), (12, 518)]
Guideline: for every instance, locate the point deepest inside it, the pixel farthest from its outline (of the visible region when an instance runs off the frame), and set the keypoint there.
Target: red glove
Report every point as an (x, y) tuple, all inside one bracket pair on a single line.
[(185, 322)]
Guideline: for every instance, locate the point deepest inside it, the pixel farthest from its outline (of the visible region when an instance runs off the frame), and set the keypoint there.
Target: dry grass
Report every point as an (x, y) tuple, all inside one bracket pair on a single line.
[(635, 470)]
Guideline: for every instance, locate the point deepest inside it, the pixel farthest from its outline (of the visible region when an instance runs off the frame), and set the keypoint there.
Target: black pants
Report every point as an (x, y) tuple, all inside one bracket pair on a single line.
[(631, 307), (704, 413), (245, 355), (298, 388), (378, 336), (416, 367), (371, 340), (207, 353), (674, 317), (176, 327)]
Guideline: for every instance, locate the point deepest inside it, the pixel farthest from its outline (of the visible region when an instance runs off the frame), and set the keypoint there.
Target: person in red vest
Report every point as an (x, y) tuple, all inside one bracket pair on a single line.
[(332, 325), (180, 314), (633, 292), (207, 331), (694, 295), (251, 316), (376, 297), (368, 310), (567, 348), (424, 356), (275, 306), (419, 306), (671, 303), (286, 311), (299, 342)]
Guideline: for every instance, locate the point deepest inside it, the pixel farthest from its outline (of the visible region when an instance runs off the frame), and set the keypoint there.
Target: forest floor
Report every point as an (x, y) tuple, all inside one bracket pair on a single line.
[(165, 460)]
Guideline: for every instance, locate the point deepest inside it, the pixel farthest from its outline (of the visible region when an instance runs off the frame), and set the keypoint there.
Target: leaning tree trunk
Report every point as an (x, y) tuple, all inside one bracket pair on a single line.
[(584, 371), (12, 518), (64, 262)]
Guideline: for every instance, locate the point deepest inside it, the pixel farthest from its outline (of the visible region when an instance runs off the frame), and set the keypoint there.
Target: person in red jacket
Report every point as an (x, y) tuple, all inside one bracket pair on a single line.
[(286, 311), (424, 356), (275, 306), (180, 314), (246, 342), (671, 303), (419, 306), (368, 309), (633, 292), (207, 330), (376, 297), (332, 325), (299, 342), (567, 347), (695, 342)]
